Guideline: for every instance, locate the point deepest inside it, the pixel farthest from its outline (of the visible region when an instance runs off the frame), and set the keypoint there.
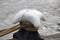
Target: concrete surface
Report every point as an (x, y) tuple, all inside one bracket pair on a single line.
[(51, 8)]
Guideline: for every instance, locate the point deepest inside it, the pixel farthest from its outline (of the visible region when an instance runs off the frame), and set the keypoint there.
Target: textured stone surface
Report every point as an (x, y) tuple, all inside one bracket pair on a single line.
[(51, 8)]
